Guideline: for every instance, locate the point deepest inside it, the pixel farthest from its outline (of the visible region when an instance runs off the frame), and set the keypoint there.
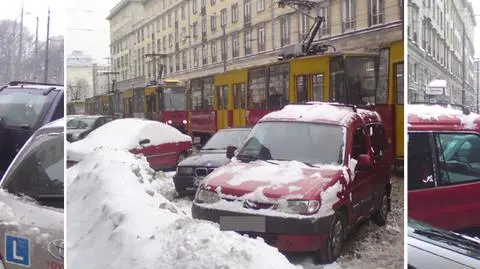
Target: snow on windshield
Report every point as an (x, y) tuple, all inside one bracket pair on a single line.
[(125, 134), (19, 108), (113, 210)]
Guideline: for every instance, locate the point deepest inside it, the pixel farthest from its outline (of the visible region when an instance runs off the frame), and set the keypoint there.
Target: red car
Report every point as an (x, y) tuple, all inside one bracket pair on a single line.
[(163, 145), (303, 178), (444, 167)]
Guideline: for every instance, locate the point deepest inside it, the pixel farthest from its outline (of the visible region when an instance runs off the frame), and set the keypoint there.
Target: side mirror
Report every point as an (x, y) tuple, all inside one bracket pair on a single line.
[(231, 151), (364, 162), (144, 141)]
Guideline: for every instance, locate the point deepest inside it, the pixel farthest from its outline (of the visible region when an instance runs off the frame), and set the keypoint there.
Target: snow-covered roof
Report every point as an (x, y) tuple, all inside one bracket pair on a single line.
[(419, 113), (132, 225), (438, 83), (125, 134), (318, 112)]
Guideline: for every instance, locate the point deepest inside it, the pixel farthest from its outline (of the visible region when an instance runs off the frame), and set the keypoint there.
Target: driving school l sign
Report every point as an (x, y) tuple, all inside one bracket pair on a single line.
[(17, 250)]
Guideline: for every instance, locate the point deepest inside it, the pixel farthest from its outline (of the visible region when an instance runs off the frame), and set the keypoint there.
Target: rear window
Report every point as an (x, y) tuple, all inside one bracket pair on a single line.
[(22, 107), (38, 171)]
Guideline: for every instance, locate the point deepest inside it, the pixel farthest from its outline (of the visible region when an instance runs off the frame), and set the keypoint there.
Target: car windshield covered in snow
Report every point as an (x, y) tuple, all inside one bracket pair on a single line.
[(311, 143), (174, 99), (225, 138), (22, 107), (80, 123)]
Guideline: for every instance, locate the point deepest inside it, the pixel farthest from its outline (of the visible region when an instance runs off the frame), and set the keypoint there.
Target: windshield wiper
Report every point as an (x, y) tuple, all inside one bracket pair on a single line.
[(25, 126), (285, 160), (250, 158), (449, 238), (213, 148)]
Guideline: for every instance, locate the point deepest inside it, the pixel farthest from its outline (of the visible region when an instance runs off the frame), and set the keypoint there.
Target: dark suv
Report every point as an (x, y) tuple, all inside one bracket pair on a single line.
[(25, 107)]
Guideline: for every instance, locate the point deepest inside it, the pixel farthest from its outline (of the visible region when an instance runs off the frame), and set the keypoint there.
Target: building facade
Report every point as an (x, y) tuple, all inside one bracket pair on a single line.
[(440, 47), (193, 38), (477, 83), (79, 76)]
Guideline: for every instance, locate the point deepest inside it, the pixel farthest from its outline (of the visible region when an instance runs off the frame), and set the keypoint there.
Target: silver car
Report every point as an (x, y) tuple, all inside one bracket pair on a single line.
[(429, 247), (32, 203)]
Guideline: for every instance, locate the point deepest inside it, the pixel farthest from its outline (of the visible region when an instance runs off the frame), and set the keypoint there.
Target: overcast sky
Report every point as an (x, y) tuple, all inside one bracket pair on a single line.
[(37, 8), (87, 27)]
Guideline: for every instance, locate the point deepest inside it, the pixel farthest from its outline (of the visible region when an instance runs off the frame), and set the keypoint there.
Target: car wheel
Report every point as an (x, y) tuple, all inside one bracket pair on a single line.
[(336, 237), (380, 215), (181, 157)]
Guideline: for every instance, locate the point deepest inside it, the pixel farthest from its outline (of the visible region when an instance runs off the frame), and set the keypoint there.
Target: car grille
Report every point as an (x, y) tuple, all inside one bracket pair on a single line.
[(203, 171), (256, 205)]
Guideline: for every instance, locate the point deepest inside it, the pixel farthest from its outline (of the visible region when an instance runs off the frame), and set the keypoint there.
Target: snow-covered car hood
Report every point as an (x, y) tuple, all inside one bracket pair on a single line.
[(264, 180), (206, 158)]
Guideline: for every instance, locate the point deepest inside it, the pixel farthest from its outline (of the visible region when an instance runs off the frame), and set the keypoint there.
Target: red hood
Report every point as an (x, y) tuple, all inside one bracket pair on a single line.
[(288, 180)]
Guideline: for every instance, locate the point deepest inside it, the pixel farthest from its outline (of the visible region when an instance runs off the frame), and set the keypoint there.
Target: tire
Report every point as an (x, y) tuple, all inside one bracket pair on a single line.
[(335, 240), (381, 214)]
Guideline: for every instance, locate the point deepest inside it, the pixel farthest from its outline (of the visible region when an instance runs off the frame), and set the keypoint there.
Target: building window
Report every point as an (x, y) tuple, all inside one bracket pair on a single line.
[(169, 19), (182, 12), (324, 11), (248, 41), (184, 60), (194, 29), (285, 30), (204, 54), (376, 11), (195, 57), (261, 38), (204, 24), (213, 22), (235, 47), (303, 20), (260, 5), (413, 23), (170, 40), (348, 14), (214, 51), (164, 42), (223, 17), (234, 12), (177, 62), (223, 48), (246, 12), (164, 24), (194, 6), (212, 2)]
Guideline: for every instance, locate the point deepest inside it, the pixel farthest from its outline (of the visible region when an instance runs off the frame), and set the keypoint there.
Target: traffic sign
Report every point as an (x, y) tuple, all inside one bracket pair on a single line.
[(17, 250)]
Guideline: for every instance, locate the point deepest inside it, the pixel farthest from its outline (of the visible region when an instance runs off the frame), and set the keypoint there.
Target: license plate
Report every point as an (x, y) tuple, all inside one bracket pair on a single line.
[(243, 223)]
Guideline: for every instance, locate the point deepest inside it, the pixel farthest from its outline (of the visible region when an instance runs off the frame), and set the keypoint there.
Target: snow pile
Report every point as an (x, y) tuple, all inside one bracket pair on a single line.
[(125, 134), (435, 112), (117, 220), (313, 112)]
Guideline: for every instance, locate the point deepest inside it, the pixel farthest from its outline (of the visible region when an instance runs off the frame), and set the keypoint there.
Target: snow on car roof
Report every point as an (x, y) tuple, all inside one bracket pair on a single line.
[(114, 209), (126, 134), (341, 115), (420, 113)]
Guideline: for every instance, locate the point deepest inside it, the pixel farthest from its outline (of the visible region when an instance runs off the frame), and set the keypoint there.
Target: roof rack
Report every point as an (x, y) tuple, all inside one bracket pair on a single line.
[(458, 106), (353, 107), (16, 83)]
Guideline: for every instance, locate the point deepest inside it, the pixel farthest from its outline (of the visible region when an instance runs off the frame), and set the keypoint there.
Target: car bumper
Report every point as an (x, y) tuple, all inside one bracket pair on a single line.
[(186, 184), (287, 234)]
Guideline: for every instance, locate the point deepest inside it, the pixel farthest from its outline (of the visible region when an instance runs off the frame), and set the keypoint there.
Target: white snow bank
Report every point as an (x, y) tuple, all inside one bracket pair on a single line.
[(125, 134), (313, 112), (434, 112), (116, 220)]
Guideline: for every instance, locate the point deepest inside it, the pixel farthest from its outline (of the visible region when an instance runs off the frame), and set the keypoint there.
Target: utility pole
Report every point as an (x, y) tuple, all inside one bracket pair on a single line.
[(36, 53), (160, 69), (20, 47), (47, 44)]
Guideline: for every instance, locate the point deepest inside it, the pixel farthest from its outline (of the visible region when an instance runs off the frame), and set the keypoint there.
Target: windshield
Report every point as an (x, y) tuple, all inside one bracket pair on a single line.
[(174, 99), (21, 107), (38, 170), (311, 143), (223, 139), (80, 123)]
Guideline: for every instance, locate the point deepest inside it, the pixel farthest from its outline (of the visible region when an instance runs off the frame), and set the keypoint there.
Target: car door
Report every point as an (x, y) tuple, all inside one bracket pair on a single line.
[(444, 191), (361, 186), (380, 154), (31, 224)]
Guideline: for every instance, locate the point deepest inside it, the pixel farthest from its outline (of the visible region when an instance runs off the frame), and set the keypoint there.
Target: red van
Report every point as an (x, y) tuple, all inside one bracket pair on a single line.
[(304, 177), (444, 166)]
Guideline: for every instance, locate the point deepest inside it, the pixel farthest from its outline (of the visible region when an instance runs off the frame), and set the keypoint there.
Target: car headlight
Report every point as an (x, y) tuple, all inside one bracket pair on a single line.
[(305, 207), (186, 171), (184, 122), (169, 122), (206, 196)]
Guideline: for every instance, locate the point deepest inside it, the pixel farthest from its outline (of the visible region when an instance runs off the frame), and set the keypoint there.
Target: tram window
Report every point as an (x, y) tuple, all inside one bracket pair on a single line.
[(207, 97), (318, 87), (278, 89), (196, 95), (360, 80), (222, 97), (301, 88), (337, 80), (359, 146), (256, 89), (239, 96), (381, 95), (399, 82)]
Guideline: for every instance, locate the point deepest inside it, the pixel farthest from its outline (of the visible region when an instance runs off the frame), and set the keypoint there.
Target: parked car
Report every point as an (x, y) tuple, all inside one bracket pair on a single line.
[(303, 178), (444, 167), (80, 126), (430, 247), (31, 203), (163, 145), (192, 170), (25, 107)]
